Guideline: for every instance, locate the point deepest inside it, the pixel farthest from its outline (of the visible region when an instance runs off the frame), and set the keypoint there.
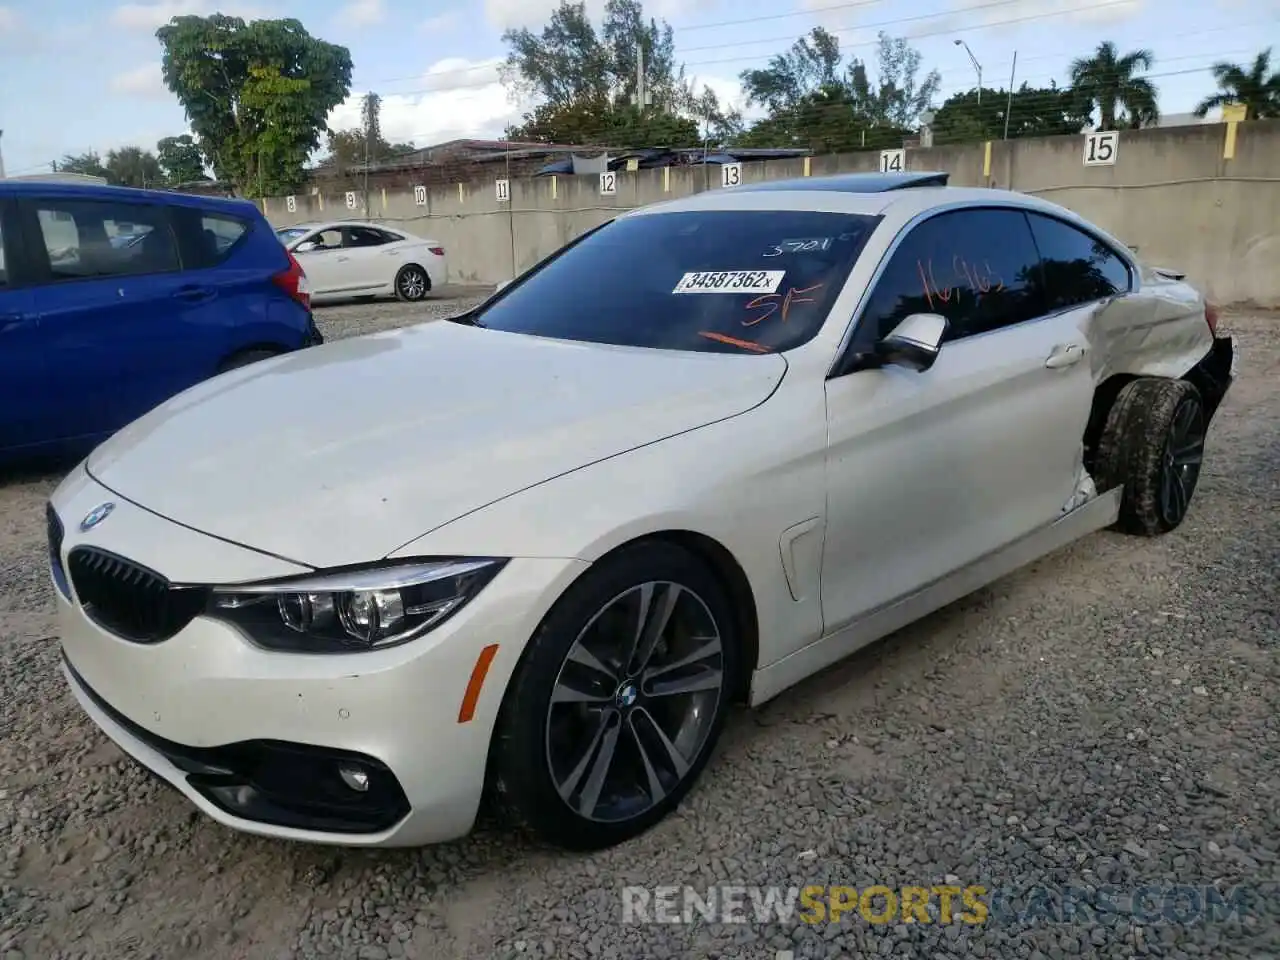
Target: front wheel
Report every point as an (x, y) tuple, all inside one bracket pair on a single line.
[(412, 283), (1153, 445), (618, 700)]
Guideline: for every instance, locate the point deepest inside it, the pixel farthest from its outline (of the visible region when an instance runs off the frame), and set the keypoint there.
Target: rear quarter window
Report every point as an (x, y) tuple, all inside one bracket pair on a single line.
[(1078, 268)]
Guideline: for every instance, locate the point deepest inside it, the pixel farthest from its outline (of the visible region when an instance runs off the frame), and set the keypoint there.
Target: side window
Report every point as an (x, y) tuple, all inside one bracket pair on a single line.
[(206, 238), (90, 238), (1077, 268), (365, 237), (4, 270), (978, 268), (327, 239)]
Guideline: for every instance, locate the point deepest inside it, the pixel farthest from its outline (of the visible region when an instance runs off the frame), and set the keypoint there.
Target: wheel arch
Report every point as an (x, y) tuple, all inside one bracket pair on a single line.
[(273, 346)]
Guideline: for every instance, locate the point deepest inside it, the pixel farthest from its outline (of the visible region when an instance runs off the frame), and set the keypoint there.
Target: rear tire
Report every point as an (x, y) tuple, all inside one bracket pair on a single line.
[(246, 357), (412, 283), (596, 741), (1153, 445)]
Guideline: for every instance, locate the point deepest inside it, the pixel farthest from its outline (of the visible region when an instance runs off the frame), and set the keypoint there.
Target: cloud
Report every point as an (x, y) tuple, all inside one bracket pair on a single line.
[(9, 19), (362, 13), (143, 81), (442, 22), (156, 13), (514, 14), (458, 98)]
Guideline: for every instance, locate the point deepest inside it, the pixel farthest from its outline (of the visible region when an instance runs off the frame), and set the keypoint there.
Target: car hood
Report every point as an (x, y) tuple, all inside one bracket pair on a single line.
[(341, 453)]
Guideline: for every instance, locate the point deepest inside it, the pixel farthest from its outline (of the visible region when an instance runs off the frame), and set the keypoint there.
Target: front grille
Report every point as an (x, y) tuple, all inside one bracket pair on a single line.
[(54, 526), (129, 600)]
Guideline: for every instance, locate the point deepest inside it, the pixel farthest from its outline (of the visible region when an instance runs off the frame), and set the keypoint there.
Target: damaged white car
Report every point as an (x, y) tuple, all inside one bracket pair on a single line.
[(534, 554)]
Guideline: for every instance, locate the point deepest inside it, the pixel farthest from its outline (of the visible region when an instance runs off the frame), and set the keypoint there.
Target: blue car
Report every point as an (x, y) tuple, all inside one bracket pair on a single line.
[(112, 300)]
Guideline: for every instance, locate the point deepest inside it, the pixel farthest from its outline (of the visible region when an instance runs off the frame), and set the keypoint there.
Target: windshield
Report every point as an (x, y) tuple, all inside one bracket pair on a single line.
[(289, 234), (726, 280)]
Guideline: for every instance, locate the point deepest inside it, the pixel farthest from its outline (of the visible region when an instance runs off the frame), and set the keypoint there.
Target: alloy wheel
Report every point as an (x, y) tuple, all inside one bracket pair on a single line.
[(413, 284), (634, 702), (1183, 458)]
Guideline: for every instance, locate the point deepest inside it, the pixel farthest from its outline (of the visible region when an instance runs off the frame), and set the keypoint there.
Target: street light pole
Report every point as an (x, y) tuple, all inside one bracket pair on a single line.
[(976, 66)]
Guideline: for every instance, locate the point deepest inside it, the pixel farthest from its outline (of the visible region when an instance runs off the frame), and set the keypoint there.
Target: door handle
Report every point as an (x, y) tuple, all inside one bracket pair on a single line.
[(1065, 355), (194, 294)]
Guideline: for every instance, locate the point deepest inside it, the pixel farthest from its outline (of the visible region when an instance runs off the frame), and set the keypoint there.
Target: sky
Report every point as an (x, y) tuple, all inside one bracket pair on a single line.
[(78, 75)]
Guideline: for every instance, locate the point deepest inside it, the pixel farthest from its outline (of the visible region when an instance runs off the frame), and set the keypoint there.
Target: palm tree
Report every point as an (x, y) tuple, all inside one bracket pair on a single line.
[(1256, 87), (1107, 80)]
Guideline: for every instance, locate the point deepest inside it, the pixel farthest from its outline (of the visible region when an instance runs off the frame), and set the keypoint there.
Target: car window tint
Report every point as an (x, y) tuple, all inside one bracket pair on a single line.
[(723, 280), (91, 238), (978, 268), (207, 238), (1077, 267), (364, 237)]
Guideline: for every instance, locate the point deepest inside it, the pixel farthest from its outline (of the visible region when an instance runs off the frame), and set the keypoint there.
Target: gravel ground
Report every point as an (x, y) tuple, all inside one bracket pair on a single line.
[(1107, 716)]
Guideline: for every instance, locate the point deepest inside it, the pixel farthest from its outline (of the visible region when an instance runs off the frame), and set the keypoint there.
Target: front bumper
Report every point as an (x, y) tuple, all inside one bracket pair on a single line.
[(255, 738)]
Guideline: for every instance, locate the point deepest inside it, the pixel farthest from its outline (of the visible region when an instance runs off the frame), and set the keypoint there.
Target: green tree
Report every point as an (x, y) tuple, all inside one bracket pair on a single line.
[(1033, 112), (133, 167), (585, 81), (599, 122), (257, 94), (89, 164), (1110, 82), (180, 160), (817, 100), (1256, 86)]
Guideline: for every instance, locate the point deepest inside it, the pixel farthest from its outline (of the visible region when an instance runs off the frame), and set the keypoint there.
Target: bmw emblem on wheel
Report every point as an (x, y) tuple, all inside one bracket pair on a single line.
[(96, 516)]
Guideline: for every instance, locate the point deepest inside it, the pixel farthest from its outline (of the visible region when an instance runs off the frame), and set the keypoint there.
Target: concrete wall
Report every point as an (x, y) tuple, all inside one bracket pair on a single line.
[(1184, 197)]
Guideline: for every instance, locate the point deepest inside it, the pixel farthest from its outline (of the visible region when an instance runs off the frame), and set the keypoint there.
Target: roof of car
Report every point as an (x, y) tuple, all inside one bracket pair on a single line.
[(853, 182), (98, 191)]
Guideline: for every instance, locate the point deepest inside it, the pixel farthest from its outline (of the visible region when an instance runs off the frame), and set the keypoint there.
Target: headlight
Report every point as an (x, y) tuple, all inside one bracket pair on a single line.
[(350, 610)]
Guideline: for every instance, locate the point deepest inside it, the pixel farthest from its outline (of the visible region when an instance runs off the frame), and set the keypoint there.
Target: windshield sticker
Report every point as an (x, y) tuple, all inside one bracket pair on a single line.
[(809, 245), (731, 281)]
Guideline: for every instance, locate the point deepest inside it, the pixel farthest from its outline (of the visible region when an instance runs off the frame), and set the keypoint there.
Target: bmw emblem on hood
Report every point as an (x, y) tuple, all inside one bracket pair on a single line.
[(96, 516)]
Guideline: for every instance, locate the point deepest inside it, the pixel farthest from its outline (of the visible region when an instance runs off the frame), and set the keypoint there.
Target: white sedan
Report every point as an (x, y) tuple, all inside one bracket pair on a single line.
[(347, 258), (535, 553)]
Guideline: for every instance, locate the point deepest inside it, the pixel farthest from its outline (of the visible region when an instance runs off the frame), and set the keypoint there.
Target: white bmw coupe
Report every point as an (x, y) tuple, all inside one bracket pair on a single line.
[(535, 553)]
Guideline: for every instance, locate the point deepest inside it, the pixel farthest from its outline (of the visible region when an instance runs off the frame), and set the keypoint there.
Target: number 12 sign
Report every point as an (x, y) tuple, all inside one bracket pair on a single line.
[(1101, 147)]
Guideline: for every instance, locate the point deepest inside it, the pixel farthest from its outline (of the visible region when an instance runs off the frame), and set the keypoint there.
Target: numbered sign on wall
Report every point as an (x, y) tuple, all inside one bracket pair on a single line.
[(1101, 147), (420, 196), (893, 161), (608, 183), (502, 190), (351, 200), (730, 174), (291, 204)]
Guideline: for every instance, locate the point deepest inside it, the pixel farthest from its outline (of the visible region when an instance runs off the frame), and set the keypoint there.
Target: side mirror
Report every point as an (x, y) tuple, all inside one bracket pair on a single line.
[(915, 342), (306, 246)]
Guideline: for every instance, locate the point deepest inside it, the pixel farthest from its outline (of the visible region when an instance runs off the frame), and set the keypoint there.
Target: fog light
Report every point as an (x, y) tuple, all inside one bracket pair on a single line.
[(354, 777)]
